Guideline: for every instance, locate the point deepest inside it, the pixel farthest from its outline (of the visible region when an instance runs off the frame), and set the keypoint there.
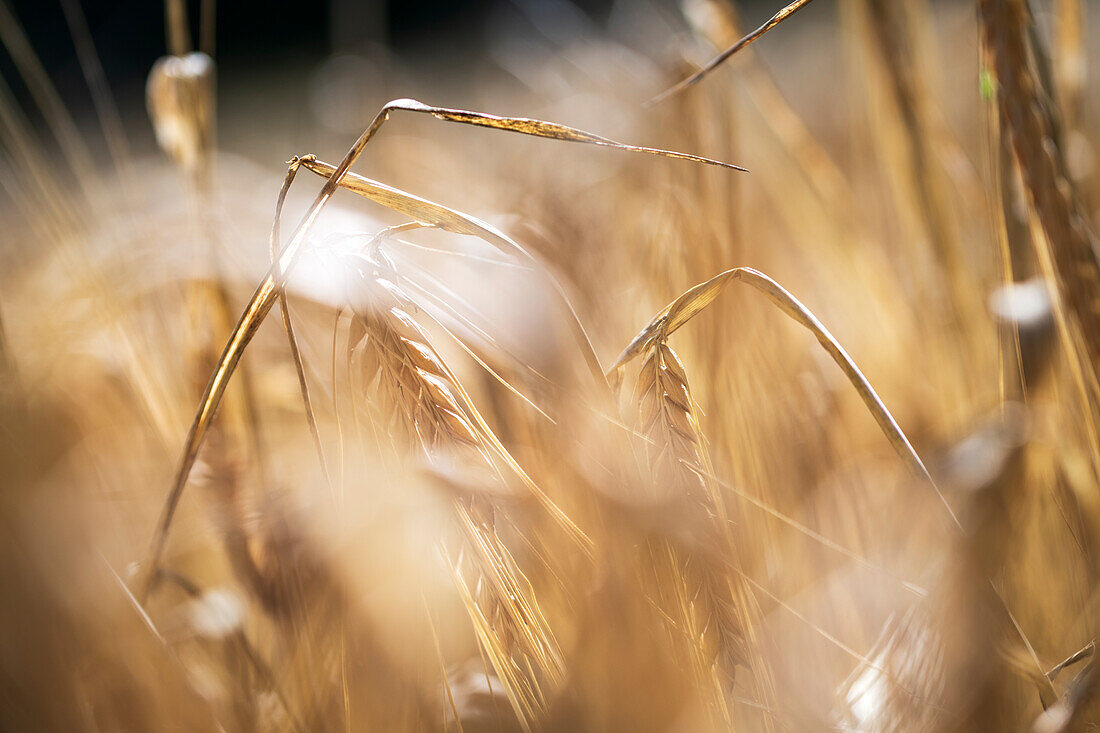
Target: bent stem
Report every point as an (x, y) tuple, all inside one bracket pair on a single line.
[(688, 305)]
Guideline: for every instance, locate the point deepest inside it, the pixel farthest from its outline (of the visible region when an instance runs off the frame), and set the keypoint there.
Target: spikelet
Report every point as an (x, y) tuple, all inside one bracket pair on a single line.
[(668, 420), (412, 382)]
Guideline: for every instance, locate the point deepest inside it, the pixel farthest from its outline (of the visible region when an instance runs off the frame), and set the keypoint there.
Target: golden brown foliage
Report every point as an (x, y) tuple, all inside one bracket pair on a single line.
[(430, 504)]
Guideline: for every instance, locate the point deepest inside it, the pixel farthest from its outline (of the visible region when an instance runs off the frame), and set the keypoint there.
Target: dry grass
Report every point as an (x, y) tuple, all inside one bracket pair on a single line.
[(436, 502)]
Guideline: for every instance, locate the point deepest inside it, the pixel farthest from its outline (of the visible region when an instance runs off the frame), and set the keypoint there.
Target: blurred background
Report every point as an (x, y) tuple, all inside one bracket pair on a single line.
[(425, 508), (294, 59)]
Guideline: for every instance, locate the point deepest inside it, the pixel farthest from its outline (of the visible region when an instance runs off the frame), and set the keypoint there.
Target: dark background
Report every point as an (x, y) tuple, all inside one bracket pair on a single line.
[(271, 55), (254, 39), (129, 34)]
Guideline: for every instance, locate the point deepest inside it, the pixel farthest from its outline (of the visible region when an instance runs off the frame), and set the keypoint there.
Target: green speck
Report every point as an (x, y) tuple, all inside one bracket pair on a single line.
[(988, 84)]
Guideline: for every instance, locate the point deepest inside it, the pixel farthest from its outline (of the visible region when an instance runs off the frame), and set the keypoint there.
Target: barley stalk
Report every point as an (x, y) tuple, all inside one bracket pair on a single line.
[(267, 292), (697, 298), (1029, 118), (56, 114), (288, 326), (717, 605), (888, 27), (1069, 60), (721, 58), (715, 609), (429, 412)]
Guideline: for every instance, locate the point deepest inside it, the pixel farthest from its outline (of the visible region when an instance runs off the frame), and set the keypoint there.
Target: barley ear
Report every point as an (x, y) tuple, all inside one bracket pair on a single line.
[(693, 301)]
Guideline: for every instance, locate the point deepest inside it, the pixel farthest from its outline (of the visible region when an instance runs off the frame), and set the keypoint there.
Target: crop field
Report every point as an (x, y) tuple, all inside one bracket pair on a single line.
[(715, 365)]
